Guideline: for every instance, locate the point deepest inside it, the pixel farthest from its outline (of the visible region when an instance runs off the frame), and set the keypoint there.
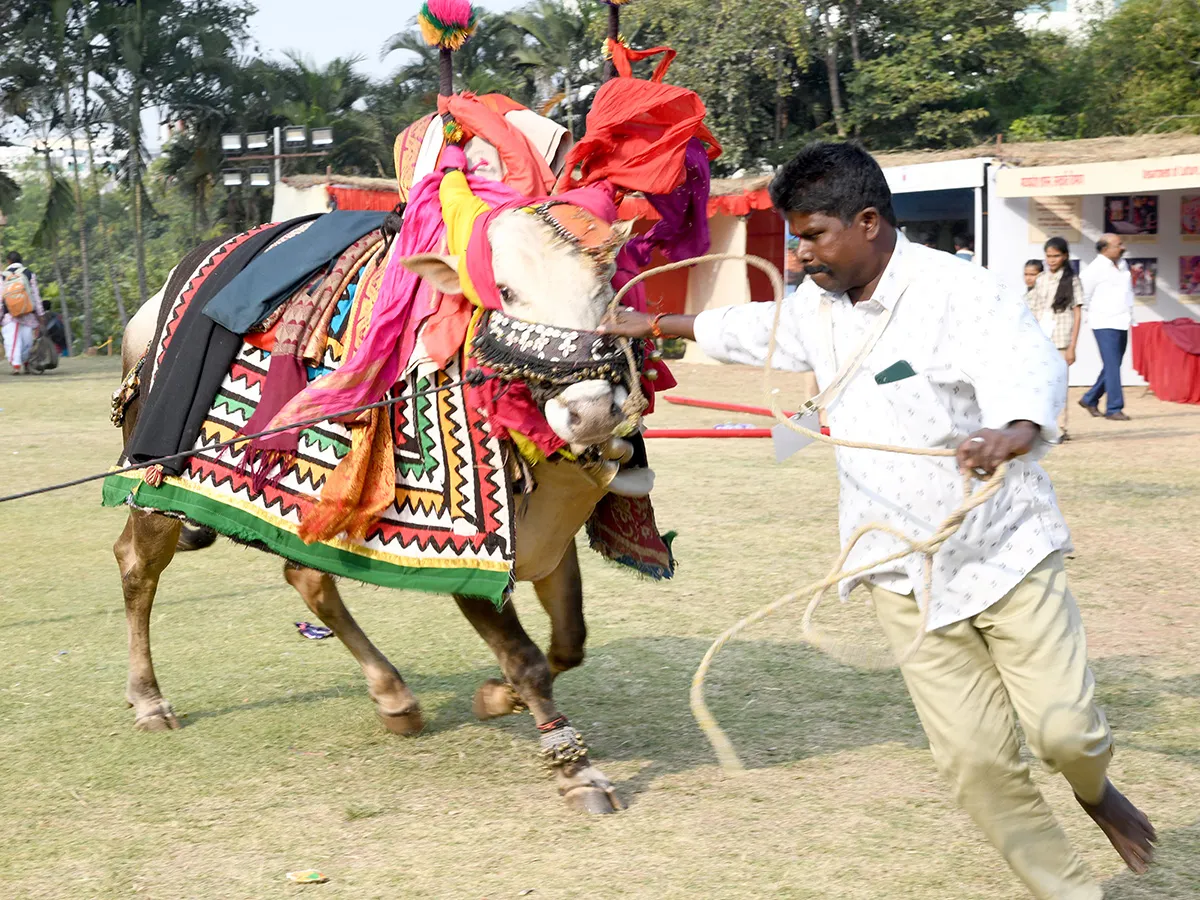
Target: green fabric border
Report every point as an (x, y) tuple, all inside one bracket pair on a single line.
[(235, 523)]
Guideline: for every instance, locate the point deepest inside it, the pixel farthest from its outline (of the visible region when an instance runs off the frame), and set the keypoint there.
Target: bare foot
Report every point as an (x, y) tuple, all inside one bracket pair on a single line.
[(1125, 826)]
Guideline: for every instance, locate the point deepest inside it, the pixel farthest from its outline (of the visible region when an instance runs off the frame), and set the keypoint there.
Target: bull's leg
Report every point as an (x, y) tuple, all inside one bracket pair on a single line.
[(143, 550), (525, 667), (394, 702), (561, 595)]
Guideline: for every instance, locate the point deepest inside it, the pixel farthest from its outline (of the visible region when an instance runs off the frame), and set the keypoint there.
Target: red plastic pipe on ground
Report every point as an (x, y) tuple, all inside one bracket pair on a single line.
[(725, 407), (707, 433)]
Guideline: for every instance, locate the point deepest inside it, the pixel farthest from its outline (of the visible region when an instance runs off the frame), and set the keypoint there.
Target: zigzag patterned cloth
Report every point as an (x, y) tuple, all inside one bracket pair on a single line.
[(451, 527)]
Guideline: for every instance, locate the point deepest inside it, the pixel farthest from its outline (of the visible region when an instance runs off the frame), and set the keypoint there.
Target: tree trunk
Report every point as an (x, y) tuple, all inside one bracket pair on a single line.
[(570, 105), (113, 281), (831, 70), (854, 8), (62, 292), (135, 172), (81, 223)]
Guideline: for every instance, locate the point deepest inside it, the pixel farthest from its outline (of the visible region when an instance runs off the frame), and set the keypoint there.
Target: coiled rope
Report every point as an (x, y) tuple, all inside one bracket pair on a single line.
[(816, 591)]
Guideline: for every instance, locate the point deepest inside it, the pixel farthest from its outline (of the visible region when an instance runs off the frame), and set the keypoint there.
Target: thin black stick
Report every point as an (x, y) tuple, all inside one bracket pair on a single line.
[(477, 377)]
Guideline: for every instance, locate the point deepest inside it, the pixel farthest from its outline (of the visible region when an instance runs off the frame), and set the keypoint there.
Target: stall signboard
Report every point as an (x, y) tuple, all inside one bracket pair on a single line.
[(1055, 217), (1131, 176)]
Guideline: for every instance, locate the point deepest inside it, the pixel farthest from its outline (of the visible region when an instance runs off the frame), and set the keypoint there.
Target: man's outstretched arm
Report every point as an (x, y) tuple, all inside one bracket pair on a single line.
[(732, 334)]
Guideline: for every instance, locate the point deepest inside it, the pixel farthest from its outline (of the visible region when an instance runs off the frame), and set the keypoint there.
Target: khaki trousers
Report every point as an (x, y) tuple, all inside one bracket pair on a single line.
[(1025, 654)]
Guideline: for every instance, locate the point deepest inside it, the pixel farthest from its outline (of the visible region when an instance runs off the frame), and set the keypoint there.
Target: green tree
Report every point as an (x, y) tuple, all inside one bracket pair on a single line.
[(941, 62), (1144, 62)]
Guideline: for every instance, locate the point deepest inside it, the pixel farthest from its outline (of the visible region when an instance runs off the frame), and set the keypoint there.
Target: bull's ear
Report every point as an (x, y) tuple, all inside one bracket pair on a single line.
[(440, 271)]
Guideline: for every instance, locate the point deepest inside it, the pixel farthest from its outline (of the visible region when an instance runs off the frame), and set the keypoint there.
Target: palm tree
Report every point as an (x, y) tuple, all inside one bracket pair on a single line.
[(562, 49), (157, 50)]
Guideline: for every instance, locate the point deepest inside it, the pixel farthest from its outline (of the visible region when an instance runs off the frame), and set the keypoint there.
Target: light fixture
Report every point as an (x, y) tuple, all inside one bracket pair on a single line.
[(231, 143), (260, 178), (322, 137), (295, 134), (257, 140), (231, 177)]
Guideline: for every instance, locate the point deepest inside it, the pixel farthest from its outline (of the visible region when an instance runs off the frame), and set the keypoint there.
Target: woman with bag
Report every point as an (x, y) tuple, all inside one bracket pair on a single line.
[(1056, 301)]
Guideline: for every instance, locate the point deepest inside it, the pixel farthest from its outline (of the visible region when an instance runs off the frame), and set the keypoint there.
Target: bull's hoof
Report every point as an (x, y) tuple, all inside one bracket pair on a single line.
[(593, 800), (404, 724), (195, 537), (156, 717), (495, 698)]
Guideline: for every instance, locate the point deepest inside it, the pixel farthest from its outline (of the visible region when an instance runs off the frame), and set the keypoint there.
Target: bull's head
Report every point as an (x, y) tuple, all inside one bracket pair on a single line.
[(554, 266)]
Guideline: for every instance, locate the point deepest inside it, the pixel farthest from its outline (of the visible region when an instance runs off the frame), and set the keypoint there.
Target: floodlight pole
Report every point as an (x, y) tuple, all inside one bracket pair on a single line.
[(278, 158)]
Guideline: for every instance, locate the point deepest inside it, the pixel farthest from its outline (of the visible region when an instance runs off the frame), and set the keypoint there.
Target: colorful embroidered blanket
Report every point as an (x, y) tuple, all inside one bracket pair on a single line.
[(450, 529)]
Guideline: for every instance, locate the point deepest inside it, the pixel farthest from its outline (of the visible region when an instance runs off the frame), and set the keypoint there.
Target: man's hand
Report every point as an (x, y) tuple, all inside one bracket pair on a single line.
[(628, 323), (985, 450)]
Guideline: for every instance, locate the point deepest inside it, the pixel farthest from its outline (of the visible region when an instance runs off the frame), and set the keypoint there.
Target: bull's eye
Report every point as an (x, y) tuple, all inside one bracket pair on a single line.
[(506, 293)]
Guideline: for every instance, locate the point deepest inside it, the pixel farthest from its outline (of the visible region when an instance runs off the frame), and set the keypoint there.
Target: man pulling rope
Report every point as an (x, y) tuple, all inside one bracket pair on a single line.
[(914, 348)]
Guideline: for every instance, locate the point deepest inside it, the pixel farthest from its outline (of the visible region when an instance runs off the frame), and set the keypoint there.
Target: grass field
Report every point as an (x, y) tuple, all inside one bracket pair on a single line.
[(282, 765)]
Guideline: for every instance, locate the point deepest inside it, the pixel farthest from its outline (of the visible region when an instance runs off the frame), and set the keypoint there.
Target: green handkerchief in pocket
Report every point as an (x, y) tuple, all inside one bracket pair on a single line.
[(897, 371)]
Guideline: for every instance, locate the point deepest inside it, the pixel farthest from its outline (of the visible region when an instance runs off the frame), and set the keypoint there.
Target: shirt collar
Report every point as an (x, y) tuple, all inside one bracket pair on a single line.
[(895, 277)]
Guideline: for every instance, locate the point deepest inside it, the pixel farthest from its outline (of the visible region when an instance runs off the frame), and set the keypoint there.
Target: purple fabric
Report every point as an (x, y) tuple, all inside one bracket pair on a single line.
[(682, 231)]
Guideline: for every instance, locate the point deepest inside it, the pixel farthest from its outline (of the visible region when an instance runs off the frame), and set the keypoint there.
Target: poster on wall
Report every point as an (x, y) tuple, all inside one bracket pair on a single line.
[(1143, 271), (1055, 217), (1189, 279), (1189, 217), (1134, 218)]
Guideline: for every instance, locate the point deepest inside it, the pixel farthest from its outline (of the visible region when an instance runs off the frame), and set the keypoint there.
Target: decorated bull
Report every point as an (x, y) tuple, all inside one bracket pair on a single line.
[(465, 419)]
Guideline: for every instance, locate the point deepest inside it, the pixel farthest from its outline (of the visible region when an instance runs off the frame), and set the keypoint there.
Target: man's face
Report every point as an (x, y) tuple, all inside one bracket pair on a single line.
[(833, 253), (1115, 249)]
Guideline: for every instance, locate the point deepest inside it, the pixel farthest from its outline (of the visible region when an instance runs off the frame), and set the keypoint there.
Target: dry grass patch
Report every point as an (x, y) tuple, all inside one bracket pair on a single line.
[(282, 765)]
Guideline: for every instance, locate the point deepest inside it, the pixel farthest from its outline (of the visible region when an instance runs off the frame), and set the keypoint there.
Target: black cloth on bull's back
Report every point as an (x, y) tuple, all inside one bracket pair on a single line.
[(260, 288), (196, 362), (176, 282)]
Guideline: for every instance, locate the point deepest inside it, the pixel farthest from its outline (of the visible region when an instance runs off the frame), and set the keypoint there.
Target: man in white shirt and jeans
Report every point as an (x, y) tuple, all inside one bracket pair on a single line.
[(1108, 299), (921, 349)]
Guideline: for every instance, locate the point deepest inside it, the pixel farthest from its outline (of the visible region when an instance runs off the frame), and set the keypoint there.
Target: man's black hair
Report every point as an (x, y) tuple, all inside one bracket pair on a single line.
[(836, 179), (14, 257), (1101, 245), (961, 242)]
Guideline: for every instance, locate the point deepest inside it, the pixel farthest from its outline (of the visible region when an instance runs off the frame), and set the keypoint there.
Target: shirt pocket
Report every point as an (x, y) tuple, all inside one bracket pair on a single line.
[(918, 411)]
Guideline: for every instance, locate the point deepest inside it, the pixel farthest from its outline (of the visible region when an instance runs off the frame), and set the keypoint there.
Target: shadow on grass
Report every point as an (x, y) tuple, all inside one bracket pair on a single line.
[(1175, 873), (1136, 703), (779, 703), (349, 688), (118, 605)]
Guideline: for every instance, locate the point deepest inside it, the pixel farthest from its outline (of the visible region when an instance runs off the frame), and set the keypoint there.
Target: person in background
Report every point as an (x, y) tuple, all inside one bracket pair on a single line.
[(1108, 295), (19, 292), (962, 248), (53, 328), (1056, 301), (1033, 268)]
